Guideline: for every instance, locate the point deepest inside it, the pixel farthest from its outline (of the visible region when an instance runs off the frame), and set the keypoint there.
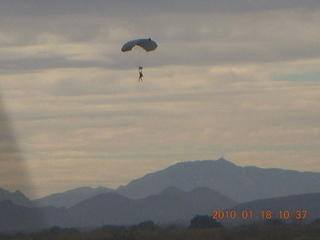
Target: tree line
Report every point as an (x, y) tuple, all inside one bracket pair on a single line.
[(200, 228)]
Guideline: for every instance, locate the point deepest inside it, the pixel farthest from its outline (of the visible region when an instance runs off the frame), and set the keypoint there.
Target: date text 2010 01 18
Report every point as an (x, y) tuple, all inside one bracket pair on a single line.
[(299, 214)]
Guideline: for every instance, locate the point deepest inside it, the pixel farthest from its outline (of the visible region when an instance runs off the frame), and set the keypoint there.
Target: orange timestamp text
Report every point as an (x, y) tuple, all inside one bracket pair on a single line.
[(299, 214)]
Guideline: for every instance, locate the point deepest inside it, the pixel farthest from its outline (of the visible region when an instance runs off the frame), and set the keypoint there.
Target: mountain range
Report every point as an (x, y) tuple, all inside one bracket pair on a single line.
[(241, 184), (178, 192), (170, 205), (238, 183)]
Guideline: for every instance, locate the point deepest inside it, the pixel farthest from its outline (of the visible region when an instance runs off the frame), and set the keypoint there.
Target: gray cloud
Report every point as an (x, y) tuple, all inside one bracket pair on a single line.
[(38, 7), (185, 38)]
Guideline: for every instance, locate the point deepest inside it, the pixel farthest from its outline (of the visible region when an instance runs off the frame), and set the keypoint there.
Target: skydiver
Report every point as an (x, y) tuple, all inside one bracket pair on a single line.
[(140, 74)]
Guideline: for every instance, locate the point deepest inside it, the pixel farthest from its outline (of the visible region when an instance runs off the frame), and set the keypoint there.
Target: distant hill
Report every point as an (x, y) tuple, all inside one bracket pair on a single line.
[(111, 208), (16, 197), (302, 202), (70, 197), (170, 205), (239, 183), (14, 217)]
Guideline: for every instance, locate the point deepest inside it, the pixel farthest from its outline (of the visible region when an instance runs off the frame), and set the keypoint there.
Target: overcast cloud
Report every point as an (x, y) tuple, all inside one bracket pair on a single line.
[(234, 78)]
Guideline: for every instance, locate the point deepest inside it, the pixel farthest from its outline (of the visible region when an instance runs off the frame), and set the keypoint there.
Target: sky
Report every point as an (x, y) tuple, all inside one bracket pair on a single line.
[(237, 78)]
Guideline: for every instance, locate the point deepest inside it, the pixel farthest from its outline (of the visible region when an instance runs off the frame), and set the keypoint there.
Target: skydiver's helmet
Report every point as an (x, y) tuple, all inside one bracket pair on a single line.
[(140, 67)]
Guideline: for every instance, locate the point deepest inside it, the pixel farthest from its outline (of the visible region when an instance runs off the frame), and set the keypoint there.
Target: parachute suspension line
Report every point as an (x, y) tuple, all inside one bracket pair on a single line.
[(140, 67), (139, 59)]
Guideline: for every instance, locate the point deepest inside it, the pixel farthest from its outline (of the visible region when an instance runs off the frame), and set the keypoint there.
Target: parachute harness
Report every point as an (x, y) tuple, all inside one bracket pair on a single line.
[(140, 74)]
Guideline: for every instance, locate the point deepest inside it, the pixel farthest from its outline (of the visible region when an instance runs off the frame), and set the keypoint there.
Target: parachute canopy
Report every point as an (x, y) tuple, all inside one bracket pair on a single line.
[(146, 43)]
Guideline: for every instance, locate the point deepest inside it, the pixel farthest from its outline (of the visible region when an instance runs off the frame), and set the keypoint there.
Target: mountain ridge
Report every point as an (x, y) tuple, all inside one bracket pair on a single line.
[(112, 208), (239, 183), (16, 197), (70, 197), (172, 205)]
